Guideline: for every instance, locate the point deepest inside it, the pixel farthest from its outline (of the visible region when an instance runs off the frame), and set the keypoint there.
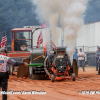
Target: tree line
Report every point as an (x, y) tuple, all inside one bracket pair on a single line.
[(16, 14)]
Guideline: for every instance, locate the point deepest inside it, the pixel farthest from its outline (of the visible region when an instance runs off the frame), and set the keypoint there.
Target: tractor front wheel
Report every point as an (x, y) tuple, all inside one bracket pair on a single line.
[(73, 76), (31, 73), (52, 78)]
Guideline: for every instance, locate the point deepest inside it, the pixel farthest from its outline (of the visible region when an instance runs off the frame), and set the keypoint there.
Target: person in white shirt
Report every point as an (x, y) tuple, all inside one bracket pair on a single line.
[(81, 60)]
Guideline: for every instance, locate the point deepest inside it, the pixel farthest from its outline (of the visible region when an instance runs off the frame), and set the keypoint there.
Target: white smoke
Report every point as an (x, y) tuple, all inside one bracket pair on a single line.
[(71, 19)]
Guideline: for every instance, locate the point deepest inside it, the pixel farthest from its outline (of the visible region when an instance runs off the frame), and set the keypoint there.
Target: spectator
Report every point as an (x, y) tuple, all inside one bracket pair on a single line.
[(97, 58), (4, 68), (81, 60), (75, 56)]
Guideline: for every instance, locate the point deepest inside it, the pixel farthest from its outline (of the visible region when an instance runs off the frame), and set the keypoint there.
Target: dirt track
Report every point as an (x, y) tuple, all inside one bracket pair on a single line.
[(59, 90)]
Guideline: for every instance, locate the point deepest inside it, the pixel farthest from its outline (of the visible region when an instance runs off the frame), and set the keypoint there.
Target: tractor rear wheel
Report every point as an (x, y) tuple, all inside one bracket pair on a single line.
[(34, 76), (11, 69), (52, 78), (75, 67), (31, 72), (73, 76), (40, 76)]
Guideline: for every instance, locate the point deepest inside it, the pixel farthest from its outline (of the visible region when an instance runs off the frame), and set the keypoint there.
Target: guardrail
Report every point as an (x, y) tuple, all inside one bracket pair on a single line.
[(88, 48)]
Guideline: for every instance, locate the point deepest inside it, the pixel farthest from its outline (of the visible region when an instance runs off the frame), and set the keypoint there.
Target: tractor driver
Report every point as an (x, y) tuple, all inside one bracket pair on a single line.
[(21, 42), (21, 36)]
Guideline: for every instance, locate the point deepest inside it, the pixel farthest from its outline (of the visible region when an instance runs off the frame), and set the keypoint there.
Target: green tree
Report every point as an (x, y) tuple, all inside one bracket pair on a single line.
[(16, 14), (93, 11)]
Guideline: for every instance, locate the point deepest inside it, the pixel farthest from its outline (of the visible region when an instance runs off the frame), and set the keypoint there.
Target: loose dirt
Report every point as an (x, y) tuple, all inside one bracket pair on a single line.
[(58, 90)]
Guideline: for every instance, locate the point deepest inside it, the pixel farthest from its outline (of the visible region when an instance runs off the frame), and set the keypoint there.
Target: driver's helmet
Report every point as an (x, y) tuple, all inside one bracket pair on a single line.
[(21, 34)]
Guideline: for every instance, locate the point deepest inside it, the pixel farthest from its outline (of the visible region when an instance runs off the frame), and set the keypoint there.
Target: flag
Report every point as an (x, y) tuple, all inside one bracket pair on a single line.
[(40, 40), (44, 25), (3, 41)]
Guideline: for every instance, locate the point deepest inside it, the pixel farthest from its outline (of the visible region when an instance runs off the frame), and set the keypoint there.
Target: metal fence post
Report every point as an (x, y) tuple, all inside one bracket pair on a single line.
[(83, 48)]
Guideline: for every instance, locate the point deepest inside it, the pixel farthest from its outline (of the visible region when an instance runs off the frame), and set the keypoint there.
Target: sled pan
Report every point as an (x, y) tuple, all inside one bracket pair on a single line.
[(75, 67), (23, 70)]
